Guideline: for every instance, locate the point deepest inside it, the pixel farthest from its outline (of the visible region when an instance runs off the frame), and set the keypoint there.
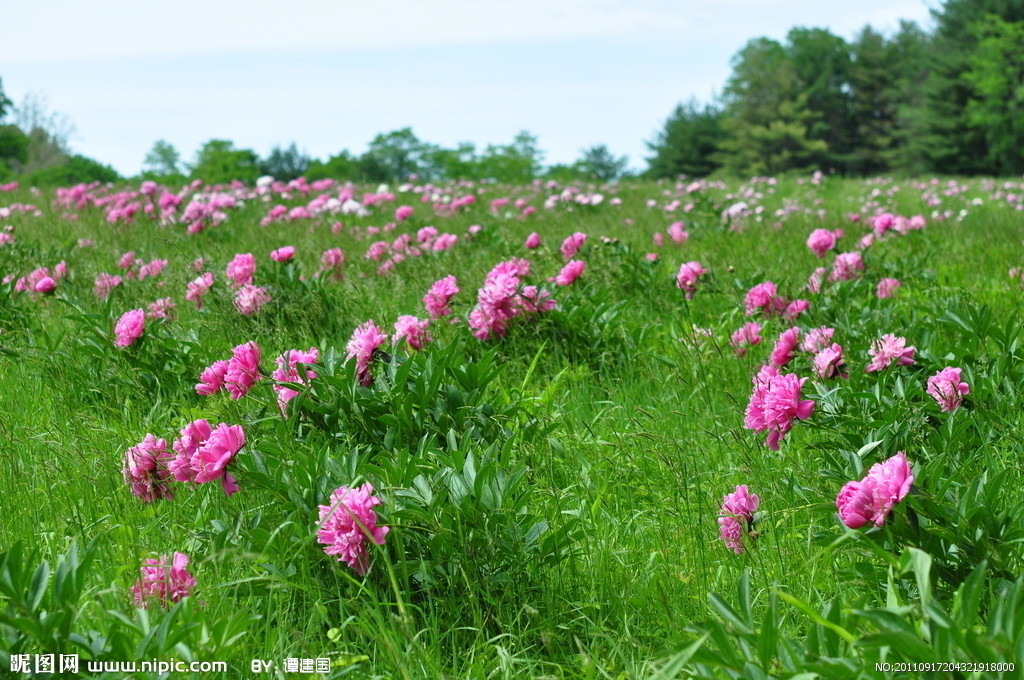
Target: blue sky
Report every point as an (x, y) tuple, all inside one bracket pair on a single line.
[(330, 75)]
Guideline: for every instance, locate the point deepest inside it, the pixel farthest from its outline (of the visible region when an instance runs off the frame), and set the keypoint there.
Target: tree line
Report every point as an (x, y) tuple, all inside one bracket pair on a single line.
[(949, 101)]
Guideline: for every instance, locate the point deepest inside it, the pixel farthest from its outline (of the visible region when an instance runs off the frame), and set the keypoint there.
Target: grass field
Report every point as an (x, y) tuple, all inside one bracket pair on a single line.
[(552, 494)]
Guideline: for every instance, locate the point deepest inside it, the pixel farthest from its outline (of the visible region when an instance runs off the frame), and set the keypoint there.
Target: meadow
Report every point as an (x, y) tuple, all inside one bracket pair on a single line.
[(582, 464)]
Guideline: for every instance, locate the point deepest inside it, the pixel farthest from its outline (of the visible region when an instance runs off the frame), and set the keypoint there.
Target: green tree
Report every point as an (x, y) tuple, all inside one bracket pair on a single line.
[(458, 163), (517, 162), (219, 162), (767, 114), (821, 64), (601, 164), (996, 107), (872, 105), (940, 130), (5, 102), (393, 156), (76, 169), (341, 166), (688, 143), (285, 164), (162, 160)]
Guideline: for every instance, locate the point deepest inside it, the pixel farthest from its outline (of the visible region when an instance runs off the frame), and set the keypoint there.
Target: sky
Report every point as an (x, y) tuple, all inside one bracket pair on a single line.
[(331, 74)]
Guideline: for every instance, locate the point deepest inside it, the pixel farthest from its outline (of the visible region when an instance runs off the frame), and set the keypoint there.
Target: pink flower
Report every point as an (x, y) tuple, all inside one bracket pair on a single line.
[(887, 288), (846, 266), (129, 327), (572, 244), (815, 279), (127, 260), (211, 459), (783, 350), (748, 335), (887, 350), (535, 300), (364, 342), (165, 580), (823, 240), (883, 223), (533, 241), (763, 298), (241, 269), (828, 363), (249, 299), (440, 294), (104, 284), (658, 239), (348, 524), (948, 389), (161, 309), (243, 370), (192, 437), (775, 403), (737, 516), (817, 339), (332, 261), (211, 380), (45, 285), (403, 213), (413, 330), (795, 309), (283, 254), (570, 272), (152, 269), (198, 287), (677, 232), (687, 277), (287, 371), (145, 469), (872, 498)]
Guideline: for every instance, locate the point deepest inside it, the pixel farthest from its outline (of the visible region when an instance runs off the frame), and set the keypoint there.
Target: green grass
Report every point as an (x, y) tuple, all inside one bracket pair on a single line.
[(603, 421)]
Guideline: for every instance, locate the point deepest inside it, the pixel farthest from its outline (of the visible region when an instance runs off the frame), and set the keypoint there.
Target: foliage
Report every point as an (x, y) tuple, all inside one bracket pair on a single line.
[(689, 142), (219, 162)]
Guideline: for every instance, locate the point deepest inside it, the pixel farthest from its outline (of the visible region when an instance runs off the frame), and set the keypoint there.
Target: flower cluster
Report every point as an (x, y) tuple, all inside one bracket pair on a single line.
[(737, 517), (872, 498), (349, 524), (775, 403)]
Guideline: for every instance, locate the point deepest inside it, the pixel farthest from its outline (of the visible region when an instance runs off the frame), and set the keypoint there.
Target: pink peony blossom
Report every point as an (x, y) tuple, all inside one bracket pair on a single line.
[(283, 254), (145, 469), (533, 241), (677, 232), (241, 269), (570, 272), (782, 353), (817, 339), (211, 459), (361, 346), (104, 284), (288, 371), (846, 266), (686, 278), (748, 335), (823, 240), (249, 299), (887, 288), (152, 269), (737, 517), (348, 524), (948, 389), (572, 244), (795, 309), (45, 285), (332, 262), (440, 294), (872, 498), (413, 330), (763, 298), (887, 350), (243, 370), (129, 327), (198, 287), (775, 403), (192, 437), (211, 380), (402, 213), (815, 279), (165, 581), (828, 363), (161, 309)]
